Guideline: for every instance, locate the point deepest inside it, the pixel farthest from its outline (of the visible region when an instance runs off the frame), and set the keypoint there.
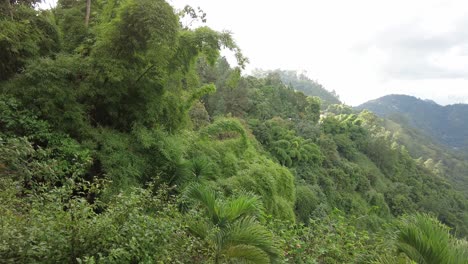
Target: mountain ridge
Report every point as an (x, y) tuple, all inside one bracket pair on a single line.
[(445, 124)]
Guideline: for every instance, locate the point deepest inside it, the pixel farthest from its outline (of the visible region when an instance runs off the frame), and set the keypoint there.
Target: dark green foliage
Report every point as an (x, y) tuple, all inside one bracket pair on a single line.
[(134, 227), (440, 160), (135, 57), (27, 35), (16, 121), (288, 148), (199, 116), (308, 199), (142, 156), (226, 129), (201, 168), (32, 154), (272, 98), (259, 98), (56, 97), (232, 94), (331, 239), (70, 19), (143, 32)]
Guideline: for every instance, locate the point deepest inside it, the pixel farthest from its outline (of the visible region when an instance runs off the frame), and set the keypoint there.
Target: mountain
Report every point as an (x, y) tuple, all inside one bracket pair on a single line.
[(445, 124), (434, 135)]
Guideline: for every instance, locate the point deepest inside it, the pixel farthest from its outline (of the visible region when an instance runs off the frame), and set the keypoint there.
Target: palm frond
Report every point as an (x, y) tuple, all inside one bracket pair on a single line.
[(247, 254), (200, 229), (232, 226), (201, 168), (206, 197), (247, 231), (240, 207), (411, 252), (425, 240)]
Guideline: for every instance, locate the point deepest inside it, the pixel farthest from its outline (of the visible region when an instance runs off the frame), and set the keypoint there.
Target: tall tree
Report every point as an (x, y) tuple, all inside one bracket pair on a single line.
[(7, 8), (88, 12)]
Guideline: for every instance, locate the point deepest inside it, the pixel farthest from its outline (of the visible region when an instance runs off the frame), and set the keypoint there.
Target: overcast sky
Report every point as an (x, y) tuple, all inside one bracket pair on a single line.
[(362, 49)]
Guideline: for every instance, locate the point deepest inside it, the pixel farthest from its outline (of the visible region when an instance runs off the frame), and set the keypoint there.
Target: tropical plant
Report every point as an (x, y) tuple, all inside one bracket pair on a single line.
[(423, 239), (232, 227)]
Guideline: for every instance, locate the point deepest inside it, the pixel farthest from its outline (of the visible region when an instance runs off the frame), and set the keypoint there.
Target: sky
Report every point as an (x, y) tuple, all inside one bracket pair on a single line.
[(362, 49)]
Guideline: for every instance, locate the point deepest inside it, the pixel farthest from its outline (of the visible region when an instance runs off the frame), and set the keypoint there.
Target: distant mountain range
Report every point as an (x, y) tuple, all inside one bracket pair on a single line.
[(447, 125)]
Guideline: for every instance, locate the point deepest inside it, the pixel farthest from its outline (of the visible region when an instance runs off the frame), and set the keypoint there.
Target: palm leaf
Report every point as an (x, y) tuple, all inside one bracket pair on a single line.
[(241, 206), (206, 197), (201, 168), (248, 231), (247, 254), (201, 229), (427, 241)]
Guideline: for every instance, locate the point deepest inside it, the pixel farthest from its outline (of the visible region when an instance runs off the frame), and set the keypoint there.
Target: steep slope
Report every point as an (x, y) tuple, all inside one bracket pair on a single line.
[(415, 124), (445, 124), (340, 160)]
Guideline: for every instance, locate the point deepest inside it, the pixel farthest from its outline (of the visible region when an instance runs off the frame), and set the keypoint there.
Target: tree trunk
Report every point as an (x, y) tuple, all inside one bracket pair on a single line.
[(10, 9), (88, 12)]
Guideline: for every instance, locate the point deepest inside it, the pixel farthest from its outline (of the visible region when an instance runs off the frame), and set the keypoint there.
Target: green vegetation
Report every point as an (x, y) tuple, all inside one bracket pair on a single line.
[(300, 82), (435, 135), (125, 138), (425, 240), (232, 227), (444, 124)]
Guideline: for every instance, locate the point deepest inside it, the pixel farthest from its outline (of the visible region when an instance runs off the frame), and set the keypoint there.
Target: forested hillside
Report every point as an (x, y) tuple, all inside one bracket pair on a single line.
[(433, 134), (126, 138), (445, 124), (300, 82), (437, 158)]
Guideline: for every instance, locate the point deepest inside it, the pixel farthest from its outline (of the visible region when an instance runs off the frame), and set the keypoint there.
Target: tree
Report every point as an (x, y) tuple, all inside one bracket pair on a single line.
[(6, 8), (88, 12), (232, 227), (29, 34), (313, 108)]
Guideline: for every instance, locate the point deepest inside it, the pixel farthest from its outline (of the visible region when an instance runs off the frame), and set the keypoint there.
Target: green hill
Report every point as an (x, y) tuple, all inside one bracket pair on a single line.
[(433, 134), (445, 124)]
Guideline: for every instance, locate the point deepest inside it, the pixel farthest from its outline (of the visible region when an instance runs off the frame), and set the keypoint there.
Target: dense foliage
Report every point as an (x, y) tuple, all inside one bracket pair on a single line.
[(300, 82), (435, 135), (124, 138)]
